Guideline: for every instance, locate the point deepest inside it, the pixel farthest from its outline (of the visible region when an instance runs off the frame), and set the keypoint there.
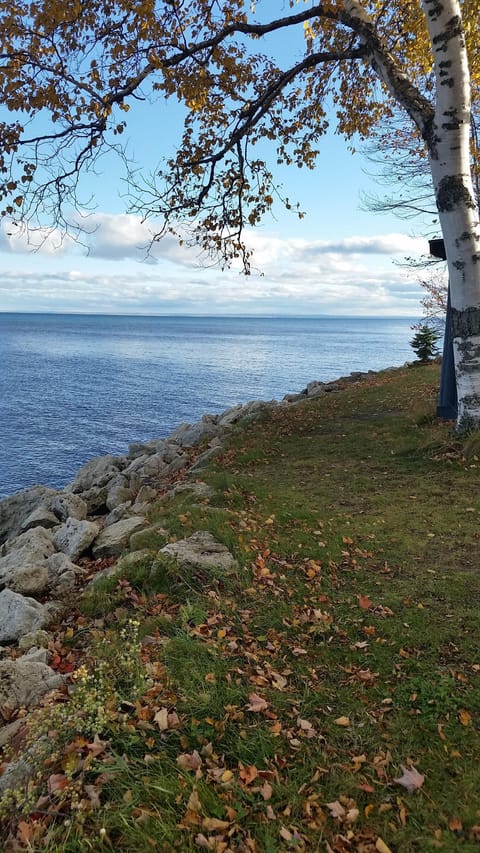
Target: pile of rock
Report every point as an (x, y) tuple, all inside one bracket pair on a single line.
[(44, 532)]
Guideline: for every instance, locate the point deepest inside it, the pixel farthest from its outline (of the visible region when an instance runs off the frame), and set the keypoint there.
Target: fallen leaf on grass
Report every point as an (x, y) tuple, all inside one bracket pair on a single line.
[(97, 746), (464, 717), (161, 719), (342, 721), (336, 810), (381, 846), (57, 782), (257, 703), (189, 761), (213, 824), (411, 779), (297, 651), (194, 804), (248, 774), (25, 832), (364, 601), (266, 791)]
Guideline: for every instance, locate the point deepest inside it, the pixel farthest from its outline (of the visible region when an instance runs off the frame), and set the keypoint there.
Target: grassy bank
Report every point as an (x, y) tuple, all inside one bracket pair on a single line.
[(322, 695)]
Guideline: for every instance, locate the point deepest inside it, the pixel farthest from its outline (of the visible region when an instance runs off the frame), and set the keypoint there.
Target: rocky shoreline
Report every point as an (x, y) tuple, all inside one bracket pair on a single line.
[(45, 532)]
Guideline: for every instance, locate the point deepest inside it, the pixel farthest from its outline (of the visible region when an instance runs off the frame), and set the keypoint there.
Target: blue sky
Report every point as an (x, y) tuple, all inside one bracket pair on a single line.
[(339, 259)]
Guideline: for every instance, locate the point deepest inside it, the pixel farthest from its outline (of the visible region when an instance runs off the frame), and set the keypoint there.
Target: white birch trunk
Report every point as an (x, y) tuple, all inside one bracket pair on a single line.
[(448, 140)]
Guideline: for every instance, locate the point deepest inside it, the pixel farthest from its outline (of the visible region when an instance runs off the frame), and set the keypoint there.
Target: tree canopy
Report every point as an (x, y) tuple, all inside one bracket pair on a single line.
[(69, 72)]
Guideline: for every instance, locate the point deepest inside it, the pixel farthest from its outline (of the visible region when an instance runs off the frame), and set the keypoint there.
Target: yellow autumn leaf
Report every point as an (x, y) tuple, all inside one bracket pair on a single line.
[(465, 717)]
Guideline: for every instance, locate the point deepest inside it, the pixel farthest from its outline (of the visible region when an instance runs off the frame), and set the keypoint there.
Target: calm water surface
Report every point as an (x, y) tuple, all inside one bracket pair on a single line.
[(74, 386)]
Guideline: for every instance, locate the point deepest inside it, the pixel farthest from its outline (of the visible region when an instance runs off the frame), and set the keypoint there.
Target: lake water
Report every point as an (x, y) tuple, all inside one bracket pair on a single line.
[(76, 386)]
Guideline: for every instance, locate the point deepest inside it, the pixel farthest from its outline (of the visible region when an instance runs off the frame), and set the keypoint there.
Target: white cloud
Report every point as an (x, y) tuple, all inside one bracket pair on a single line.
[(354, 275)]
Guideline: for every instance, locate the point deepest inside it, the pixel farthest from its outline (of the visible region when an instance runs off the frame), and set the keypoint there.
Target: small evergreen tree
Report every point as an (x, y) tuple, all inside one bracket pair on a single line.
[(424, 343)]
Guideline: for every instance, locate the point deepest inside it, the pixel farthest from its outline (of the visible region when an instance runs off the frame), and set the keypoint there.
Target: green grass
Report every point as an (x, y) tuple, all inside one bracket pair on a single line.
[(344, 645)]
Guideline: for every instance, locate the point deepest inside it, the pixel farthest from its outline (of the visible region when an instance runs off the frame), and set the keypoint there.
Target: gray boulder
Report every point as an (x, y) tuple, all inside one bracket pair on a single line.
[(15, 509), (22, 564), (146, 495), (139, 448), (29, 580), (66, 505), (34, 545), (231, 416), (34, 639), (40, 517), (97, 472), (114, 539), (121, 511), (189, 435), (75, 537), (197, 490), (17, 775), (200, 551), (62, 574), (151, 465), (19, 615), (24, 681), (119, 492), (314, 389)]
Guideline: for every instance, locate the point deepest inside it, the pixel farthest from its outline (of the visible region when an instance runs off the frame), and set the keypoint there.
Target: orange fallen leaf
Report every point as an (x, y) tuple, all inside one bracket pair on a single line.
[(464, 717), (369, 789), (364, 601), (248, 774), (212, 824), (25, 832), (57, 782), (342, 721)]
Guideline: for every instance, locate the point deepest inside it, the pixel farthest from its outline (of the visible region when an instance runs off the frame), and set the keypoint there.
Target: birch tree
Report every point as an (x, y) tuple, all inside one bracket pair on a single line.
[(70, 71)]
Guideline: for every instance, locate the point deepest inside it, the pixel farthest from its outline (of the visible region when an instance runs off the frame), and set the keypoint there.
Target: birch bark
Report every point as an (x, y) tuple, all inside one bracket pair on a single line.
[(448, 141)]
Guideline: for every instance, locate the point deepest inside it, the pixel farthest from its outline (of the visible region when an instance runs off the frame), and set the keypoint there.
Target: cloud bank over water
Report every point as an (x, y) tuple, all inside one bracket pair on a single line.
[(116, 269)]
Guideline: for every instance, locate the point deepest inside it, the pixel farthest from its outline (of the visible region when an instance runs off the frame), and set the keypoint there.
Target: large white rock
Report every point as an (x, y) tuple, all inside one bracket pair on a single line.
[(32, 546), (65, 505), (75, 537), (189, 435), (97, 472), (15, 509), (23, 564), (200, 551), (40, 517), (30, 580), (19, 615), (119, 492), (151, 465), (114, 539), (24, 681), (62, 574)]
